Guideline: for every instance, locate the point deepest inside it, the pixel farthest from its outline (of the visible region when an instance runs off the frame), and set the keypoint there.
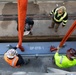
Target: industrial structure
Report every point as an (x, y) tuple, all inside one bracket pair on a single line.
[(37, 46)]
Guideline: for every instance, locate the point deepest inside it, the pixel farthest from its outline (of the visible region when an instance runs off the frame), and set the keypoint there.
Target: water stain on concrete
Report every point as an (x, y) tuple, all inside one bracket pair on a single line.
[(5, 24)]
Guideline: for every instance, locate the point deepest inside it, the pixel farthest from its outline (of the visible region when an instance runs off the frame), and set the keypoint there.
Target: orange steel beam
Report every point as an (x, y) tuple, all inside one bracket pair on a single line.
[(22, 10), (72, 28)]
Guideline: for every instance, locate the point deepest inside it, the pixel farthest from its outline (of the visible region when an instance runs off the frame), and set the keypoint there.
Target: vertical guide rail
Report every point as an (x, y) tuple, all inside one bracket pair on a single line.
[(72, 28), (22, 10)]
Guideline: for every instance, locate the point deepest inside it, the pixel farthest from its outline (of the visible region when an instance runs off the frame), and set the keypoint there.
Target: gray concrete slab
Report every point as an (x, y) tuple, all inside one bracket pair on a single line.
[(36, 65), (8, 28), (41, 7)]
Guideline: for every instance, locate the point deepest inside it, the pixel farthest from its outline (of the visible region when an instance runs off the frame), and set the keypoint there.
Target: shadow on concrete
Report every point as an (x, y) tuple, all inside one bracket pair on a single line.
[(32, 8), (9, 9)]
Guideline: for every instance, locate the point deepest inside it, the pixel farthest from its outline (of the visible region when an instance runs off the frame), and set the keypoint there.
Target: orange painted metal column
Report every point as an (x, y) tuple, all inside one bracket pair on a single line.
[(72, 28), (22, 10)]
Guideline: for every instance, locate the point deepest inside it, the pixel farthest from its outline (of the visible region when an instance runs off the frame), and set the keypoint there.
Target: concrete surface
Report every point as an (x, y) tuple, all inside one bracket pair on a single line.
[(8, 28), (38, 65)]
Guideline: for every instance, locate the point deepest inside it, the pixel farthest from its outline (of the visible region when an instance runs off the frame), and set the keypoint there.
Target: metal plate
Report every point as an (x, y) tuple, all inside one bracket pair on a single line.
[(38, 48)]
